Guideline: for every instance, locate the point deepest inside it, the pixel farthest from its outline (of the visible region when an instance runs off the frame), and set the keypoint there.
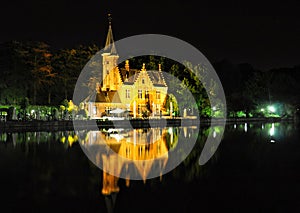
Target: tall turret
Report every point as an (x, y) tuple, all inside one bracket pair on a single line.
[(110, 72)]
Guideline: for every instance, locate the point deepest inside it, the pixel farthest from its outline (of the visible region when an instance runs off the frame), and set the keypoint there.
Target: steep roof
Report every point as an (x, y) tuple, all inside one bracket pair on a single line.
[(129, 77), (110, 44), (108, 97), (104, 97), (157, 78)]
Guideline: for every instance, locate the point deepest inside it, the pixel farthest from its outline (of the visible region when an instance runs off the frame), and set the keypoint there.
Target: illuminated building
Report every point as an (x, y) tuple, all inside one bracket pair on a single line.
[(139, 91)]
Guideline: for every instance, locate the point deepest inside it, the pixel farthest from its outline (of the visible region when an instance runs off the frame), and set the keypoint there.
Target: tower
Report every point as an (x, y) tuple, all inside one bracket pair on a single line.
[(110, 73)]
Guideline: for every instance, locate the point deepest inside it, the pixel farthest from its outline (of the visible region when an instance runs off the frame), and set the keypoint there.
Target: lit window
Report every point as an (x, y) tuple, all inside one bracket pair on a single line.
[(147, 94), (95, 110), (127, 93), (107, 110), (157, 94), (157, 108), (140, 94)]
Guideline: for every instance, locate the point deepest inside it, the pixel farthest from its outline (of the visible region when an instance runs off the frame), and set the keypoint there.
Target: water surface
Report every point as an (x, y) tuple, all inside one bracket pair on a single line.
[(255, 169)]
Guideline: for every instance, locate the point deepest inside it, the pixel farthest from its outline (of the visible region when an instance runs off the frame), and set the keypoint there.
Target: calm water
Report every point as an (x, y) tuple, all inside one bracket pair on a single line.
[(256, 169)]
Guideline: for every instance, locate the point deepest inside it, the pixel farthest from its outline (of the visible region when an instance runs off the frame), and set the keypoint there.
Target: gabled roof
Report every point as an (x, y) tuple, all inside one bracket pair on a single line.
[(129, 77), (157, 78), (104, 97), (108, 97)]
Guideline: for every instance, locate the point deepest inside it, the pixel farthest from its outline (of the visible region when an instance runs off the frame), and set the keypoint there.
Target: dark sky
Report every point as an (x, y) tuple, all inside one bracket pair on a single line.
[(264, 34)]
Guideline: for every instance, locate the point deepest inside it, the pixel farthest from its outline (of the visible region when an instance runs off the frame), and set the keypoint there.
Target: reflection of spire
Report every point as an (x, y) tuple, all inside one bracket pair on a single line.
[(110, 201), (139, 152), (110, 44)]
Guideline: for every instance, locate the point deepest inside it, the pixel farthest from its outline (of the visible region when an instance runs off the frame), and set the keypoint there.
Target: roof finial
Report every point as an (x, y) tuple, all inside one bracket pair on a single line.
[(127, 65), (143, 68), (109, 18)]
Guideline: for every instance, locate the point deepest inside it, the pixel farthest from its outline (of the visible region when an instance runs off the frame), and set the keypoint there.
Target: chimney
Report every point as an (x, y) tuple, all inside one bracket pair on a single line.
[(127, 65)]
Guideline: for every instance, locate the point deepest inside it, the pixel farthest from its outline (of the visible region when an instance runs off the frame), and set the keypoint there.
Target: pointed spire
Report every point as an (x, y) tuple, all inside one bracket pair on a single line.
[(110, 44)]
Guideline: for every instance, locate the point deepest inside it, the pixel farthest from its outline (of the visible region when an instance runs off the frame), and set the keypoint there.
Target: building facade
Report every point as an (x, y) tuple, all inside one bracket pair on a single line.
[(139, 92)]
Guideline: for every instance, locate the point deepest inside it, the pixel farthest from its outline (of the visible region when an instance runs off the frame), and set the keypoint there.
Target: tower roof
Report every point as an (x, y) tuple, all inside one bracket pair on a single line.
[(110, 44)]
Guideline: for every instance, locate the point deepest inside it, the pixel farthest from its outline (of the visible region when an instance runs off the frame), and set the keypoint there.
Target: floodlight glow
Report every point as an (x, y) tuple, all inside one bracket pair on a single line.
[(271, 108)]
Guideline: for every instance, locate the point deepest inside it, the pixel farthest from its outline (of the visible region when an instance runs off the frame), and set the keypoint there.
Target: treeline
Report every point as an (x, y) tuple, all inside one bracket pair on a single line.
[(32, 70), (250, 90)]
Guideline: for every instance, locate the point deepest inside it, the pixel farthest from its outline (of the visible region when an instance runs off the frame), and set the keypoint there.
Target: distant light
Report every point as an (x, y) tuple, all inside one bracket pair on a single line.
[(262, 109), (272, 141), (234, 126), (271, 108), (245, 127), (214, 108), (214, 134)]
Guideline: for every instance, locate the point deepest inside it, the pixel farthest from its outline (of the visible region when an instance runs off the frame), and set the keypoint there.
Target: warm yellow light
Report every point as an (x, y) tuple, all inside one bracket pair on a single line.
[(63, 139)]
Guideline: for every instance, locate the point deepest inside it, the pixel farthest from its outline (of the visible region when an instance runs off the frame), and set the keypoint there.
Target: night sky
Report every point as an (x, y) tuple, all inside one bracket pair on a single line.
[(266, 35)]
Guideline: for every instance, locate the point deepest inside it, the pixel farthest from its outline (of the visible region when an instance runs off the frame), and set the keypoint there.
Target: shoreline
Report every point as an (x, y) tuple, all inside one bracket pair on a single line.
[(68, 125)]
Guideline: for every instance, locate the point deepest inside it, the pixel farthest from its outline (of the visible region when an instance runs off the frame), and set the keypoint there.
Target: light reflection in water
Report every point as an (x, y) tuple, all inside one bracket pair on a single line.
[(133, 152), (66, 137), (152, 144), (140, 150), (246, 127), (270, 132)]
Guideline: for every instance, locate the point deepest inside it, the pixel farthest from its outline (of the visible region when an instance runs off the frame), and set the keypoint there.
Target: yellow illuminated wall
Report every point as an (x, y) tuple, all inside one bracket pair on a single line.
[(142, 149)]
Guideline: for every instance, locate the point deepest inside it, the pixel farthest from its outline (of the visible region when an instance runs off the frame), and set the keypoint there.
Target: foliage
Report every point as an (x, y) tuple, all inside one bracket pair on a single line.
[(171, 98), (45, 76)]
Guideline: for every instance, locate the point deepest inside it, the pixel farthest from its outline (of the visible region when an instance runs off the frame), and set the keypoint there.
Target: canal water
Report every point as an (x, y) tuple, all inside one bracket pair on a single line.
[(256, 168)]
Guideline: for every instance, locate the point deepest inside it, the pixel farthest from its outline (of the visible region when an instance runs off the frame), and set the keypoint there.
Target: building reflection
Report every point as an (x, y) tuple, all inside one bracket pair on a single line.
[(128, 151), (128, 154)]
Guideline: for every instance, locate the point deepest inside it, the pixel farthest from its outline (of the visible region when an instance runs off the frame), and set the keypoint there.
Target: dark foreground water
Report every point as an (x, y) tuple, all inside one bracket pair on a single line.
[(256, 169)]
